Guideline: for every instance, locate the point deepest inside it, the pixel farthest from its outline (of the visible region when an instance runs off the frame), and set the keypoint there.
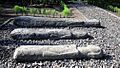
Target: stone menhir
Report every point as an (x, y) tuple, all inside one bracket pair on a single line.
[(30, 21), (37, 33), (48, 52)]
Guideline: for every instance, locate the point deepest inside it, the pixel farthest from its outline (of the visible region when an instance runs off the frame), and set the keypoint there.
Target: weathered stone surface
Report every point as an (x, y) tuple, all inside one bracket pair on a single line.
[(91, 51), (93, 22), (32, 53), (29, 21), (34, 33)]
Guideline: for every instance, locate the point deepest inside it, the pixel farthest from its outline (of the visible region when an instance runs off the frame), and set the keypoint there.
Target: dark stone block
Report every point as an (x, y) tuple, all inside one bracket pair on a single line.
[(30, 21)]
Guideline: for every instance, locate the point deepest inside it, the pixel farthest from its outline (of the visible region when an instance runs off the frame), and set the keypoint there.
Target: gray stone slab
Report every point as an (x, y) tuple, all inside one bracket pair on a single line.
[(92, 22), (37, 33), (48, 52), (30, 21)]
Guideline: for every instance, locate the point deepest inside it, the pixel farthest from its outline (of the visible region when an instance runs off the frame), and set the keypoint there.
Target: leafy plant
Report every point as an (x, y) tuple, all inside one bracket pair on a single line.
[(52, 12), (110, 7), (24, 10), (62, 3), (119, 11), (19, 9), (66, 11), (115, 9), (45, 11), (33, 11)]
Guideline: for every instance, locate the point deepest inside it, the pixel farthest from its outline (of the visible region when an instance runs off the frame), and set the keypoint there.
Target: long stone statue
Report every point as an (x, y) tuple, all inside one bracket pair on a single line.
[(37, 33), (48, 52), (30, 21)]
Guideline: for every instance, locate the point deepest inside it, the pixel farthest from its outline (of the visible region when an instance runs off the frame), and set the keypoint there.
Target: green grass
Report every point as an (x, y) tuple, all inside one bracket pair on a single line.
[(114, 9), (45, 11), (20, 9), (66, 12)]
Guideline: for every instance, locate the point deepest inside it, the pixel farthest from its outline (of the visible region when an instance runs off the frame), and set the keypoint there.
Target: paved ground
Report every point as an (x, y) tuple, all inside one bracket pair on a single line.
[(107, 38)]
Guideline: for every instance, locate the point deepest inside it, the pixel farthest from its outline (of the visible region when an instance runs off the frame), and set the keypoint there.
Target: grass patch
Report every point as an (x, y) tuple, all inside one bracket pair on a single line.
[(66, 12), (114, 9), (41, 11)]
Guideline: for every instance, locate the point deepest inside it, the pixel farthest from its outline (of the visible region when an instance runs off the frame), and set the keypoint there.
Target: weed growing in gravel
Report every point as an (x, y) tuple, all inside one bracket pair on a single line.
[(114, 9), (66, 12)]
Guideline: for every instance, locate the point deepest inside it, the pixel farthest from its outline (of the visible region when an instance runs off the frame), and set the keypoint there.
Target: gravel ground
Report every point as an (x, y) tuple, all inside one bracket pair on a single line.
[(107, 38)]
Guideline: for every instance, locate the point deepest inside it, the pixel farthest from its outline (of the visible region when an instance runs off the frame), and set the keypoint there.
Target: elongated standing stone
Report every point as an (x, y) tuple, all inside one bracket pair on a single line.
[(33, 33), (33, 52)]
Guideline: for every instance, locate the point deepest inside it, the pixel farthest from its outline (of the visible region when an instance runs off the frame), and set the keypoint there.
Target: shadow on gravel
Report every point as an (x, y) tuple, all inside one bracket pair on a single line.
[(91, 26), (7, 41), (5, 53), (8, 26), (33, 41), (105, 57), (97, 27)]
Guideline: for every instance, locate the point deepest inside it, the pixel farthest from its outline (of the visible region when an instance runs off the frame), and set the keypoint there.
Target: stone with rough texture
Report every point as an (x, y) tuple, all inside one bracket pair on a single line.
[(36, 33), (93, 22), (30, 21), (33, 52)]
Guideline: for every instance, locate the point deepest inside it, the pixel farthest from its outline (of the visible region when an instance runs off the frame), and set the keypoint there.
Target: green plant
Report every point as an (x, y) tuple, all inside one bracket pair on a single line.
[(25, 10), (44, 11), (52, 12), (62, 3), (18, 9), (119, 11), (47, 11), (115, 9), (66, 12), (33, 11), (110, 7)]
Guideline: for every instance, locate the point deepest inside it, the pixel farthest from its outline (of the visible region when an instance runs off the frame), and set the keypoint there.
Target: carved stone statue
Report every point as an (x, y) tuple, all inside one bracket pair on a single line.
[(37, 33), (35, 52), (30, 21)]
